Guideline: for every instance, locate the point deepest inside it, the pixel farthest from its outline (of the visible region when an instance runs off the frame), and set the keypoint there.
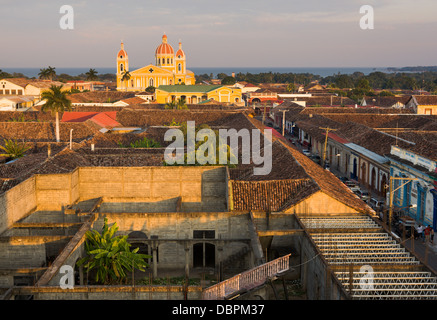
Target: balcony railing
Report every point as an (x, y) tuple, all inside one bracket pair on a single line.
[(247, 280)]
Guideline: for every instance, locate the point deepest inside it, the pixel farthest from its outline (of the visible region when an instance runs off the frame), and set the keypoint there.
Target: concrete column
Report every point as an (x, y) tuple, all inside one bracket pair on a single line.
[(81, 275), (155, 262), (187, 261)]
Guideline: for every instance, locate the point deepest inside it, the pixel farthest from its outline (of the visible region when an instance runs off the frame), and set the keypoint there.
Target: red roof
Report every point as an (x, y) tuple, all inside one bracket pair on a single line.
[(103, 119), (164, 47)]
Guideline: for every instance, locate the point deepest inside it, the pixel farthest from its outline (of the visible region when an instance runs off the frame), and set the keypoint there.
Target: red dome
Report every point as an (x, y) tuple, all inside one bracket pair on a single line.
[(180, 52), (122, 54), (164, 47)]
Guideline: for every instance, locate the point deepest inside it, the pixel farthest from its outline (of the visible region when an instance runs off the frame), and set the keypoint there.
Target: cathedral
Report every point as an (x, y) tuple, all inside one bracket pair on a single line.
[(170, 69)]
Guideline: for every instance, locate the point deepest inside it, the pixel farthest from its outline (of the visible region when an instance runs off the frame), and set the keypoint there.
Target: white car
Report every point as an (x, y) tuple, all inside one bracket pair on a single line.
[(306, 152)]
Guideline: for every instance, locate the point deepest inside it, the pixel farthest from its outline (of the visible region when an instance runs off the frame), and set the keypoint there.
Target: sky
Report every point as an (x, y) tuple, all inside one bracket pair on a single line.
[(220, 33)]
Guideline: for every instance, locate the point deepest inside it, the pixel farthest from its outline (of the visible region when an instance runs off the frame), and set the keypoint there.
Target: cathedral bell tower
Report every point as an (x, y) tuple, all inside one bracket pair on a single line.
[(122, 61)]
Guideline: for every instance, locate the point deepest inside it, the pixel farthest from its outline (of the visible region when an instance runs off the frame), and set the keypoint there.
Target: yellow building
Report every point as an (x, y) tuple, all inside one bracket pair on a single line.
[(198, 93), (170, 68)]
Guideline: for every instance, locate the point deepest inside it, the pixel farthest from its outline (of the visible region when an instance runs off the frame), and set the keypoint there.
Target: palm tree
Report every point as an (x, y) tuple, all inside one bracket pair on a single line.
[(110, 256), (47, 73), (126, 77), (51, 72), (43, 73), (91, 75), (13, 149), (56, 101), (180, 104)]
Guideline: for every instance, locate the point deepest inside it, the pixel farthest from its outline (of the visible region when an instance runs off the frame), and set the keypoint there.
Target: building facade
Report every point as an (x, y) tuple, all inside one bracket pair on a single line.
[(417, 194), (198, 93), (170, 68)]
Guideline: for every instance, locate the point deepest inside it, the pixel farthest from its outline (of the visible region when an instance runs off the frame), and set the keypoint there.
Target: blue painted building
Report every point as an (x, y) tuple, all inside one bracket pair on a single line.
[(421, 193)]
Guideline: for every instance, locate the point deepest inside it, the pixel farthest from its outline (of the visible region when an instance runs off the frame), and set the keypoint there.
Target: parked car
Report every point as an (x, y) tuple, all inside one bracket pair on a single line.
[(306, 152), (315, 158), (375, 203), (363, 195), (344, 179), (354, 188)]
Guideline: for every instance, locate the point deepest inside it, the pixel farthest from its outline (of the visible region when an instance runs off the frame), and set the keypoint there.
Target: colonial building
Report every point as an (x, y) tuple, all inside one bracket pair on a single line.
[(423, 104), (198, 93), (169, 69)]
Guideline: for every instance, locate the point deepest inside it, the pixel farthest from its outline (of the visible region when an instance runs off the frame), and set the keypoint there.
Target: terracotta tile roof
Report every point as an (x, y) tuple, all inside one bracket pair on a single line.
[(134, 100), (426, 100), (103, 119), (100, 96), (327, 182), (22, 82), (44, 131), (386, 102), (270, 196)]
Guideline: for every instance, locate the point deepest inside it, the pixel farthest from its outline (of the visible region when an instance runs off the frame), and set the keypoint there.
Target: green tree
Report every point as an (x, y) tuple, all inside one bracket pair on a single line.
[(110, 256), (47, 73), (56, 100), (125, 78), (291, 87), (43, 74), (91, 75), (179, 104), (150, 89), (228, 81), (13, 149)]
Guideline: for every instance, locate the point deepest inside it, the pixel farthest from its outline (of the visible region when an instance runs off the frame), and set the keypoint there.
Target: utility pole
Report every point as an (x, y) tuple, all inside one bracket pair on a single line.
[(326, 144), (391, 195), (283, 123)]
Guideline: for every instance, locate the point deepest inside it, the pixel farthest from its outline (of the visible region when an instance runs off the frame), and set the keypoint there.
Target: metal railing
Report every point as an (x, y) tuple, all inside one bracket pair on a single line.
[(247, 280)]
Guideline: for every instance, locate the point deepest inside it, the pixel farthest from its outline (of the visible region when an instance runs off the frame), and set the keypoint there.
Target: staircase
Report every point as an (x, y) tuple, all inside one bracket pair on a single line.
[(247, 280)]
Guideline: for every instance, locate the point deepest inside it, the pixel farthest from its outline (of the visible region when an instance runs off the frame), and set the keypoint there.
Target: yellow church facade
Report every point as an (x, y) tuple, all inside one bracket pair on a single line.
[(169, 69)]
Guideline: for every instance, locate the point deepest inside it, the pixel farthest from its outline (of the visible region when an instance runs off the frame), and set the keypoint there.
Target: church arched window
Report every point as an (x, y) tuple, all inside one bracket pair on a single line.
[(151, 82), (179, 67), (121, 67)]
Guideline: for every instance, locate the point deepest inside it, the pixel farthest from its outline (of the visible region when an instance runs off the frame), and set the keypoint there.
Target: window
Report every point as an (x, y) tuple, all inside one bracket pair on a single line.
[(203, 234), (179, 67), (121, 57), (121, 67), (151, 82)]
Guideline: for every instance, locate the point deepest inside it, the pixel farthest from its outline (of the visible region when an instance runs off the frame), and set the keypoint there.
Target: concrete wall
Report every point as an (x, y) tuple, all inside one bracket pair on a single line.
[(111, 293), (316, 278), (54, 191), (320, 202), (201, 188), (16, 203)]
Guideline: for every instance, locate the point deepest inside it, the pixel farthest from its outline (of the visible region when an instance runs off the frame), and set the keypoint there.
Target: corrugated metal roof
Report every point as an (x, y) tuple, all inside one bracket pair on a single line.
[(367, 153)]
